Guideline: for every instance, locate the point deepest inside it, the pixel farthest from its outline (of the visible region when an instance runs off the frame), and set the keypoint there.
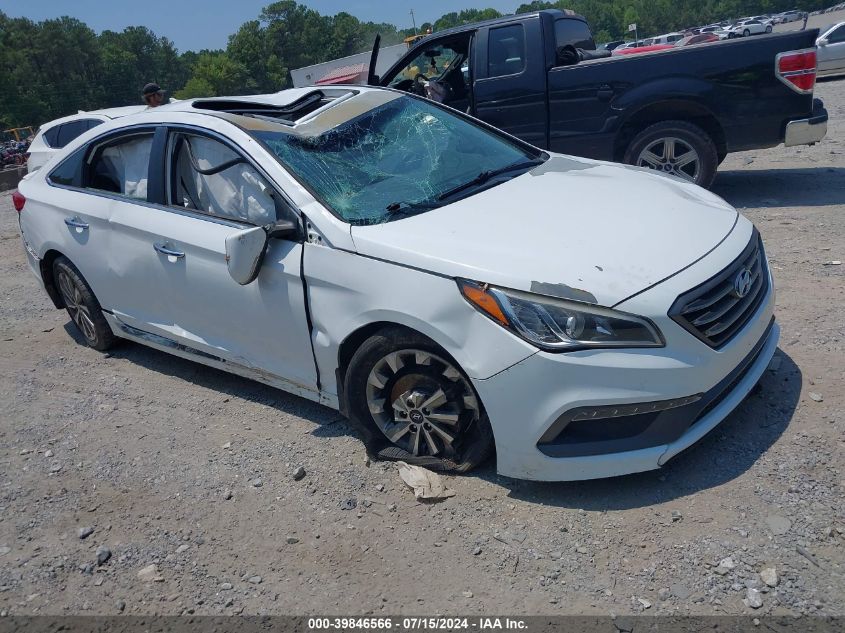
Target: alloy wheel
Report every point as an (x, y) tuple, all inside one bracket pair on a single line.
[(75, 304), (421, 402), (671, 155)]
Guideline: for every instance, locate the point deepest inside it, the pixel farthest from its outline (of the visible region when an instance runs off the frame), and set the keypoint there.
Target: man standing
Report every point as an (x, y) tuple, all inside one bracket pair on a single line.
[(153, 95), (806, 17)]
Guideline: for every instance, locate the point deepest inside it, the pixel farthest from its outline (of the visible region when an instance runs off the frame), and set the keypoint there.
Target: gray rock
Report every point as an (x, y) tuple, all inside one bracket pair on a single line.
[(85, 532), (120, 605), (299, 473), (380, 487), (664, 594), (184, 547), (676, 516), (349, 504), (227, 494), (769, 575), (257, 483), (225, 586), (753, 599), (149, 574), (476, 551), (103, 555), (778, 525), (48, 453), (466, 594), (292, 540), (5, 550), (817, 397), (681, 592), (255, 580), (645, 603)]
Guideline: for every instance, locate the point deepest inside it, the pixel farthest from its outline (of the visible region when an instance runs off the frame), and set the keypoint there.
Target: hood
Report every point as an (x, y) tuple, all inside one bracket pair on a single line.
[(571, 227)]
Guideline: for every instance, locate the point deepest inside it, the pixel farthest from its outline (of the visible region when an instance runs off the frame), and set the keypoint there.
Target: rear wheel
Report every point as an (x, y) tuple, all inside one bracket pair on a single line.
[(678, 148), (768, 28), (82, 305), (412, 403), (746, 33)]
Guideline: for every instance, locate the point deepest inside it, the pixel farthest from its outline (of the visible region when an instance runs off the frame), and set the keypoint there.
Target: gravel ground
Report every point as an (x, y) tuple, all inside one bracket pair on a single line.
[(183, 475)]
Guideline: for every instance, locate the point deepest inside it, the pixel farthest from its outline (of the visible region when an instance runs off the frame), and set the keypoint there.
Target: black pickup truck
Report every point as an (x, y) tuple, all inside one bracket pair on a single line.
[(538, 77)]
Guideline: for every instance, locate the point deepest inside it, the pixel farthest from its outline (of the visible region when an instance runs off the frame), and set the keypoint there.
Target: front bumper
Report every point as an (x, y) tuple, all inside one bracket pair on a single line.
[(693, 386), (807, 131)]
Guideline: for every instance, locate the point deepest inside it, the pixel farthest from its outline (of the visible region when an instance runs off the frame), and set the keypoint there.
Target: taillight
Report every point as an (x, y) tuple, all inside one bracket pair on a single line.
[(797, 69), (18, 200)]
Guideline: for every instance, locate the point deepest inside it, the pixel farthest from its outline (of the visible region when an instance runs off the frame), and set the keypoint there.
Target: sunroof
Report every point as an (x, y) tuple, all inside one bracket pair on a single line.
[(288, 113)]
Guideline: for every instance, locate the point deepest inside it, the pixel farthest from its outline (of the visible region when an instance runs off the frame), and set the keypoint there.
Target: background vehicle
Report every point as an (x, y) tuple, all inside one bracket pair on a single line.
[(626, 107), (646, 48), (831, 50), (668, 38), (54, 135), (614, 44), (790, 16), (701, 38), (745, 28)]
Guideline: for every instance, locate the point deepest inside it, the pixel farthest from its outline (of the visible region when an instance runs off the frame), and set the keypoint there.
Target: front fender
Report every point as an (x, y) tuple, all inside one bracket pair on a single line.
[(347, 292)]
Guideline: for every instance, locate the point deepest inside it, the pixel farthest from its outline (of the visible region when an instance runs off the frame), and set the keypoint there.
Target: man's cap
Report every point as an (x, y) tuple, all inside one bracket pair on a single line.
[(151, 89)]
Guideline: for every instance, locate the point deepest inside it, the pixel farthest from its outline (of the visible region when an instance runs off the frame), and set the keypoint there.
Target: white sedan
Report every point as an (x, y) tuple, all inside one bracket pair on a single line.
[(831, 50), (748, 27), (448, 287)]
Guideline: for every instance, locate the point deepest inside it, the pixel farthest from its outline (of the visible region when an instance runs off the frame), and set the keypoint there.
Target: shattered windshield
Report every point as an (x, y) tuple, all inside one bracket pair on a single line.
[(404, 155)]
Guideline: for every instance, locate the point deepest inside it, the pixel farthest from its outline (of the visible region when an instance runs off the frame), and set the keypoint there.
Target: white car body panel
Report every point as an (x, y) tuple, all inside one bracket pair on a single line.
[(831, 56), (572, 228), (512, 235)]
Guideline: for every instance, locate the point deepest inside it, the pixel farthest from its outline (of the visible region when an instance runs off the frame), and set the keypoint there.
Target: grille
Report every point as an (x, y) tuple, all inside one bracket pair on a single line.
[(714, 312)]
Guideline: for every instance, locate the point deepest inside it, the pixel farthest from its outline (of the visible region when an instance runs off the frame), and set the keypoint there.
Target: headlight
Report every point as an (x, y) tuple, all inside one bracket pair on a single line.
[(558, 325)]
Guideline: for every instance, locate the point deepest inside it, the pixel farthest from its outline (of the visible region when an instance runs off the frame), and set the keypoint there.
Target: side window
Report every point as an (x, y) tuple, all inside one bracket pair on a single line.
[(837, 36), (51, 136), (69, 171), (121, 166), (431, 63), (60, 135), (506, 51), (209, 177), (574, 32)]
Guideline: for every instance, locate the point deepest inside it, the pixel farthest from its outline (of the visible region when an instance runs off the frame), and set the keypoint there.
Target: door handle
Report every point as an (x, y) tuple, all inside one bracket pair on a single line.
[(76, 223), (162, 247), (605, 93)]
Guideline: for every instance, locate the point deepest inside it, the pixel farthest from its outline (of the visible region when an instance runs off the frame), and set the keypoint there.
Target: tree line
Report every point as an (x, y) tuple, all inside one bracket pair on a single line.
[(56, 67)]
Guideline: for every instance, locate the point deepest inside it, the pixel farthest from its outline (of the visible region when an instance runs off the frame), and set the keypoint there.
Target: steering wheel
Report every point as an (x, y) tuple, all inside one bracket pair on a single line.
[(418, 87)]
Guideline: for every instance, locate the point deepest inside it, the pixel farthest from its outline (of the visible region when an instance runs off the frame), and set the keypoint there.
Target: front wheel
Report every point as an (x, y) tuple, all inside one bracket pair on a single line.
[(412, 403), (677, 148), (746, 33), (769, 28)]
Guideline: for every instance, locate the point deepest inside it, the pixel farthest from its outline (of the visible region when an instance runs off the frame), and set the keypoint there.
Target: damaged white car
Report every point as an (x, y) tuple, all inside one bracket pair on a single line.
[(449, 288)]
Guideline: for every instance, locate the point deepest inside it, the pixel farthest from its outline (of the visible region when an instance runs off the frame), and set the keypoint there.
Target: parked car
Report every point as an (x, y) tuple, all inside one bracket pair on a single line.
[(648, 48), (791, 16), (668, 38), (54, 135), (701, 38), (746, 28), (628, 45), (624, 106), (360, 247), (612, 45), (831, 50)]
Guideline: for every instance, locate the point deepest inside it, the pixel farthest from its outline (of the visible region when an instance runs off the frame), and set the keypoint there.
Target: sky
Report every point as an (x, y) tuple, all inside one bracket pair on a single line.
[(198, 24)]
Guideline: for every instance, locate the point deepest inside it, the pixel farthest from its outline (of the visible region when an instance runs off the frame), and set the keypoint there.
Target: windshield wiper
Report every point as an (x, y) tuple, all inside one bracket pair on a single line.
[(484, 176), (409, 208)]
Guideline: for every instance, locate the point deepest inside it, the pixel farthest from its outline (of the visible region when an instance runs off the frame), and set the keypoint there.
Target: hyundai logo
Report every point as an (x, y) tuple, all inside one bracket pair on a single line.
[(743, 283)]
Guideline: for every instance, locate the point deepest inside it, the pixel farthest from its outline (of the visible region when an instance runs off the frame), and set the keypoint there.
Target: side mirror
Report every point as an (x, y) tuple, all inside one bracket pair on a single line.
[(245, 249), (823, 41)]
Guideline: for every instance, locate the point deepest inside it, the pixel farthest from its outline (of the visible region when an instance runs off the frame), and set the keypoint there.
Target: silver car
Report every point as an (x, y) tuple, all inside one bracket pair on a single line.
[(831, 50)]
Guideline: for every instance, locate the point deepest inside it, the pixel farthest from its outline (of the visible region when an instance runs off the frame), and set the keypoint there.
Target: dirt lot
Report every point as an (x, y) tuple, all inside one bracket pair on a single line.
[(190, 470)]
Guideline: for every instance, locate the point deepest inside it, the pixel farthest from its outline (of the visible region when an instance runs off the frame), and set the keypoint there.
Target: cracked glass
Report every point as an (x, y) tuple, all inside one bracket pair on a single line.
[(404, 154)]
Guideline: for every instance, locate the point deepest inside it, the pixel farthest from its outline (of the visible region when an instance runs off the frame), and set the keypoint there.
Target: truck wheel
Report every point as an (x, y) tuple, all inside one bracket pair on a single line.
[(678, 148), (412, 403)]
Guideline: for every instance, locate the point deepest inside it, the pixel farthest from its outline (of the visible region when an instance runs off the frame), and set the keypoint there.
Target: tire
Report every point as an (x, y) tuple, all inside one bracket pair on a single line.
[(683, 136), (389, 381), (82, 305), (769, 28), (746, 33)]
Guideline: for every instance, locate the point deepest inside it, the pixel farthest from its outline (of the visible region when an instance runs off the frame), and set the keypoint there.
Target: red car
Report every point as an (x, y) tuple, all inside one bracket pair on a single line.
[(701, 38), (643, 49)]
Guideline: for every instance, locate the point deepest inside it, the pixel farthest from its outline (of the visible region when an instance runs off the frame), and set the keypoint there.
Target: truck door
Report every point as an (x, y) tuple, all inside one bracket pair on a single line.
[(509, 90)]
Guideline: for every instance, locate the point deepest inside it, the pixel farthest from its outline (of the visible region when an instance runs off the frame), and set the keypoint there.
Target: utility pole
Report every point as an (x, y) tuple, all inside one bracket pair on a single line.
[(413, 21)]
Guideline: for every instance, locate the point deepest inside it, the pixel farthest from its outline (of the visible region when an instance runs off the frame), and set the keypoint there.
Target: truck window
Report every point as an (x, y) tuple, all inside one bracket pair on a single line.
[(506, 51), (574, 32)]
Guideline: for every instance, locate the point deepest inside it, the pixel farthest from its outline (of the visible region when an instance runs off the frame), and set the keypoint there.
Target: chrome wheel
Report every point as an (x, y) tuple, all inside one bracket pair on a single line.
[(671, 155), (421, 402), (75, 304)]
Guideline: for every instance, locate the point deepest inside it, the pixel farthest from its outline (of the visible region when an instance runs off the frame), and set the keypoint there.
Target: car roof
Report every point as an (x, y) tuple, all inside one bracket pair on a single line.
[(103, 113)]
